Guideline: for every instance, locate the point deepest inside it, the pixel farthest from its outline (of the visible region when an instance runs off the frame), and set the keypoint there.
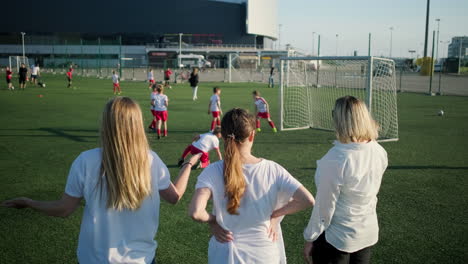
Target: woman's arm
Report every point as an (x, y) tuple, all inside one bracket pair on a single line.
[(176, 190), (59, 208), (301, 200)]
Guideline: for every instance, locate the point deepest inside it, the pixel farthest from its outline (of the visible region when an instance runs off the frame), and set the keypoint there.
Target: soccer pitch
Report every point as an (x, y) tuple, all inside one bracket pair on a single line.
[(422, 205)]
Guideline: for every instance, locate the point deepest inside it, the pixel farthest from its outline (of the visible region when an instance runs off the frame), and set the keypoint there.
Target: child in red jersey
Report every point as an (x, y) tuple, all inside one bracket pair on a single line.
[(70, 77), (262, 110), (214, 108), (9, 75), (167, 78), (115, 82)]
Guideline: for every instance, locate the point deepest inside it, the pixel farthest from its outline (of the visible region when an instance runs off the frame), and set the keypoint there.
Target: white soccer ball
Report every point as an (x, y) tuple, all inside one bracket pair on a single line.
[(12, 87), (43, 85), (440, 113)]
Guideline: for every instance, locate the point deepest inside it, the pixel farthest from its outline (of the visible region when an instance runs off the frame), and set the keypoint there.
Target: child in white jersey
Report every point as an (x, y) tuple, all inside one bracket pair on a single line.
[(263, 111), (246, 191), (150, 78), (116, 83), (160, 102), (204, 143), (214, 108)]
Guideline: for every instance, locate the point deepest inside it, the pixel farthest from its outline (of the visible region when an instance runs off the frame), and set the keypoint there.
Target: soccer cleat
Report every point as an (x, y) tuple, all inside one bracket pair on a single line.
[(180, 162), (259, 130), (118, 93), (275, 130)]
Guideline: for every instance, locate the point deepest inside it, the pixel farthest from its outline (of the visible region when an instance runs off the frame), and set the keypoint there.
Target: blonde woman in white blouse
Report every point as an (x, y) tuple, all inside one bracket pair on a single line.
[(343, 226)]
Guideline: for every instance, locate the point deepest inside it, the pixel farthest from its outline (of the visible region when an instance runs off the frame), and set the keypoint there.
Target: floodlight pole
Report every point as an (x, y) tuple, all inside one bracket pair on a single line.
[(279, 36), (180, 49), (318, 61), (313, 43), (336, 45), (391, 41), (437, 49), (432, 64), (459, 54), (22, 39), (427, 28), (369, 48)]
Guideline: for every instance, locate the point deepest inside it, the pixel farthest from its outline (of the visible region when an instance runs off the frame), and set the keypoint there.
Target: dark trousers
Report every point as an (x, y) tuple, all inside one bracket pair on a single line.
[(324, 253)]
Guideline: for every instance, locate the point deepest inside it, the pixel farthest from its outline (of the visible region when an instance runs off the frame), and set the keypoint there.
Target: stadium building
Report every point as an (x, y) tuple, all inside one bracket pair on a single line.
[(140, 33)]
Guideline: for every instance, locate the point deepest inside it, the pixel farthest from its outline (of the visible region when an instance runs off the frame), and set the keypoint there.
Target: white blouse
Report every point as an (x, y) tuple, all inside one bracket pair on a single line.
[(348, 179)]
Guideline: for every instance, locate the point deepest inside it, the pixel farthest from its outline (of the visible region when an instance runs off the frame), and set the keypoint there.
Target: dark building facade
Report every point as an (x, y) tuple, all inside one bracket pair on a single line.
[(136, 22)]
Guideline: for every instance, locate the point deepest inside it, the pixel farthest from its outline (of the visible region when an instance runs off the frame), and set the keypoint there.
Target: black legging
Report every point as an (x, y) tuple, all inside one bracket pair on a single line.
[(324, 253)]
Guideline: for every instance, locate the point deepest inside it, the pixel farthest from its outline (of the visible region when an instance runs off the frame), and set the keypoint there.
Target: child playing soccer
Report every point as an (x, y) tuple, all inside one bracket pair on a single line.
[(203, 144), (115, 81), (262, 110), (70, 77), (9, 75), (167, 78), (160, 102), (214, 108), (150, 78)]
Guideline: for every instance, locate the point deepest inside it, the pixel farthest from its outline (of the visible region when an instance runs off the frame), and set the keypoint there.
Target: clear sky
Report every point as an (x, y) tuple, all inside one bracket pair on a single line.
[(353, 20)]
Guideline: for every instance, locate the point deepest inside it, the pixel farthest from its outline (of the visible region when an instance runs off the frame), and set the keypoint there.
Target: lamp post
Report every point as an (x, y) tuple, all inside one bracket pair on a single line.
[(22, 39), (336, 45), (313, 43), (437, 49), (459, 53), (180, 49), (279, 36), (391, 41)]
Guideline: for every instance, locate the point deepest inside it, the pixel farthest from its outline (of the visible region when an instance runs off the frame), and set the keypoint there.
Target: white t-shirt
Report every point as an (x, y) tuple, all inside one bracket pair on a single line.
[(115, 78), (348, 179), (109, 236), (150, 75), (207, 142), (269, 187), (261, 105), (160, 102), (35, 70), (214, 103)]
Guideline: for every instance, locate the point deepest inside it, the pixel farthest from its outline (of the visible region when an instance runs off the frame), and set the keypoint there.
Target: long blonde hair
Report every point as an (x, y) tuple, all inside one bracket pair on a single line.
[(125, 155), (236, 126), (353, 122)]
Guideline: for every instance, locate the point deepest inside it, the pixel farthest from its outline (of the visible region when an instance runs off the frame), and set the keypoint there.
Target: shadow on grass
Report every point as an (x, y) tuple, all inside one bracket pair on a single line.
[(56, 132), (411, 167)]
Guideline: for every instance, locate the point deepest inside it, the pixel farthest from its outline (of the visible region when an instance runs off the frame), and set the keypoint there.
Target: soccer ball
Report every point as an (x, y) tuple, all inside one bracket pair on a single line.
[(12, 87), (43, 85), (440, 113)]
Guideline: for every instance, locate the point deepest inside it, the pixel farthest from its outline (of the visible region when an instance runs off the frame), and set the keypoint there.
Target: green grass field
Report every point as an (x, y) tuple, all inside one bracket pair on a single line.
[(422, 205)]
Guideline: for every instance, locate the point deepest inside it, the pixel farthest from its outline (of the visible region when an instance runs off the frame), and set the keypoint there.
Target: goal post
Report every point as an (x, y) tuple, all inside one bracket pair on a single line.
[(309, 87), (16, 61)]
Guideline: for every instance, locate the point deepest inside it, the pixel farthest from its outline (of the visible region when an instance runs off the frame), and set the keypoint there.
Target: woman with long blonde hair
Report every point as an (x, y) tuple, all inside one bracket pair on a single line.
[(247, 193), (343, 226), (121, 182)]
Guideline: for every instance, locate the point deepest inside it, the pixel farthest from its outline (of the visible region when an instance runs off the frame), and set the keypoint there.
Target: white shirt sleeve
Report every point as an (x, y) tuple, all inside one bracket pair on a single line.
[(204, 179), (159, 168), (287, 184), (215, 143), (329, 179), (76, 178)]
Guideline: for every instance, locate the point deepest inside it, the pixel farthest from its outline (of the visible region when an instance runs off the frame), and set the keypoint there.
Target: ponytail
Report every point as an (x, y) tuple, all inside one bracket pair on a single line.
[(236, 127), (233, 177)]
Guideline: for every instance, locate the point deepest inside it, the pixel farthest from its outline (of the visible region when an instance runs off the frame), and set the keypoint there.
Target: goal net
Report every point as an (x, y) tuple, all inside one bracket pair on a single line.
[(310, 86), (16, 61)]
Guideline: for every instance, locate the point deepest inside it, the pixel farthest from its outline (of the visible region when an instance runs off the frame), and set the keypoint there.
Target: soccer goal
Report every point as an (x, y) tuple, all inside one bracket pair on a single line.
[(309, 87), (16, 61)]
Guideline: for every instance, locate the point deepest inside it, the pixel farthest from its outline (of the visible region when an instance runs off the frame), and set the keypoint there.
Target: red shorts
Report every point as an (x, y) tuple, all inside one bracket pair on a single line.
[(215, 113), (151, 81), (204, 159), (265, 115), (116, 85), (160, 115)]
